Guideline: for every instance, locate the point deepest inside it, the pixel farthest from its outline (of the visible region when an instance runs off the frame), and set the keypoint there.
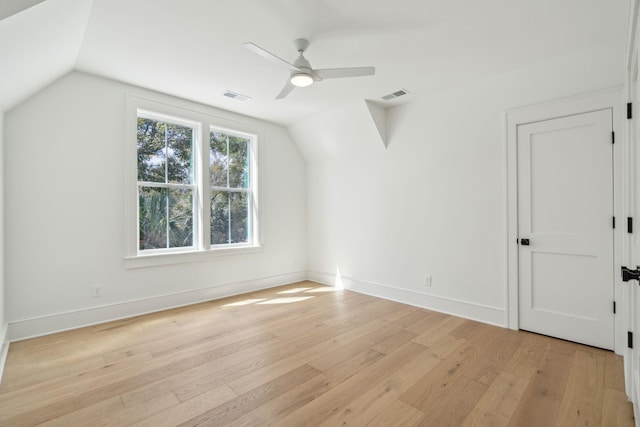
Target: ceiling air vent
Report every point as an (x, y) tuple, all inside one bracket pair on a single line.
[(395, 94), (236, 96)]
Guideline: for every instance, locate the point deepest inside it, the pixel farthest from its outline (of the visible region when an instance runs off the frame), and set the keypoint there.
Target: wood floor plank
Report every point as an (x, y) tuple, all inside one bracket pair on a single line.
[(497, 405), (296, 398), (337, 398), (87, 415), (64, 366), (130, 415), (389, 344), (307, 354), (323, 348), (256, 366), (398, 414), (456, 405), (340, 350), (582, 401), (614, 372), (48, 389), (542, 398), (186, 410), (398, 311), (430, 388), (229, 411), (527, 357), (440, 329), (616, 410), (152, 373), (367, 406), (490, 366)]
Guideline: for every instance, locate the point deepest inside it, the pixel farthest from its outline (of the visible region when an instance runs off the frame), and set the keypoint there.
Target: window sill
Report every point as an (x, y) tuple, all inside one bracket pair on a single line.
[(157, 259)]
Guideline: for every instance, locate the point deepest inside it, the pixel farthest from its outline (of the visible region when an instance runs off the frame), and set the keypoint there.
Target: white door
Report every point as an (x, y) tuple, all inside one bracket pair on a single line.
[(565, 214)]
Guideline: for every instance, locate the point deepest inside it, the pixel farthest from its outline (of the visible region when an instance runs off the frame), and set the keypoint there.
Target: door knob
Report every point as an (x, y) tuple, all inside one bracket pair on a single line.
[(524, 242)]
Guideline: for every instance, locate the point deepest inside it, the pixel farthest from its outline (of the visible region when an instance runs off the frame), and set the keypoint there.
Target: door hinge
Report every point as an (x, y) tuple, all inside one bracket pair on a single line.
[(614, 307), (613, 222), (613, 137), (629, 225), (629, 339), (629, 110)]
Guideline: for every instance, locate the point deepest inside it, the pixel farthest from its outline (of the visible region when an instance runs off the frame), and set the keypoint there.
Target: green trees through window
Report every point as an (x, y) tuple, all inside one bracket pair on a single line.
[(229, 175), (170, 183), (165, 184)]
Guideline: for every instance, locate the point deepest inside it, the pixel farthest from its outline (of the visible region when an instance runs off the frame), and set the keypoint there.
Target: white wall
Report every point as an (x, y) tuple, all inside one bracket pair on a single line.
[(65, 214), (434, 202)]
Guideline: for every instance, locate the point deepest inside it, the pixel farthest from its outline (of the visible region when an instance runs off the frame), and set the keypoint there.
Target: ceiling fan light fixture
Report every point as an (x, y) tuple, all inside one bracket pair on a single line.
[(301, 79)]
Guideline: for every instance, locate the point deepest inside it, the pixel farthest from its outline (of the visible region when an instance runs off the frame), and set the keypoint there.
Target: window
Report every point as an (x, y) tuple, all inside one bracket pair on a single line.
[(195, 186), (166, 186), (230, 188)]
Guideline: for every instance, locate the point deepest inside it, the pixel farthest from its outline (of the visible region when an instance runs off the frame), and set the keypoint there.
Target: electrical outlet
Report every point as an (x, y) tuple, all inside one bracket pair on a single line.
[(427, 281), (96, 291)]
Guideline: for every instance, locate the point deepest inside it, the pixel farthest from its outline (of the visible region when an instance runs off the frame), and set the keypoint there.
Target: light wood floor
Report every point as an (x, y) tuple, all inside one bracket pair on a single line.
[(306, 355)]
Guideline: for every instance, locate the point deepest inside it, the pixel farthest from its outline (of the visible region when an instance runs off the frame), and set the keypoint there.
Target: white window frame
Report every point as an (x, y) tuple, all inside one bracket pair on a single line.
[(205, 122), (253, 185), (195, 186)]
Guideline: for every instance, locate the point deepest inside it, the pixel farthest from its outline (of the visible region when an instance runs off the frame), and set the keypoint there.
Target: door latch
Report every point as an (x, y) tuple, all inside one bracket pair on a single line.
[(628, 274)]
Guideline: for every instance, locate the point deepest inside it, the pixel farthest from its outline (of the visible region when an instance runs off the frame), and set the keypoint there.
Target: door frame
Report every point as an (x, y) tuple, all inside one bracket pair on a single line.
[(631, 199), (607, 99)]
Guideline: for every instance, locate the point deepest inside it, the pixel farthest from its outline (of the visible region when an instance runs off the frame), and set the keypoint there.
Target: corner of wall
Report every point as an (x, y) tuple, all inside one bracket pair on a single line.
[(454, 307), (379, 117)]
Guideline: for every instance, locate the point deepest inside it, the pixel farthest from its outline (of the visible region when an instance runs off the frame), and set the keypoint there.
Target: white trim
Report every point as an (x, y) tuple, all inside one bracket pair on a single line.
[(468, 310), (630, 191), (4, 348), (44, 325), (206, 119), (176, 257), (606, 99)]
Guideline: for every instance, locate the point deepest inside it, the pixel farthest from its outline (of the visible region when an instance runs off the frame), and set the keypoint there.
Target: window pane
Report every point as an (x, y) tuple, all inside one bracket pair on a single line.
[(180, 153), (180, 218), (238, 162), (239, 215), (219, 217), (152, 155), (153, 218), (218, 159)]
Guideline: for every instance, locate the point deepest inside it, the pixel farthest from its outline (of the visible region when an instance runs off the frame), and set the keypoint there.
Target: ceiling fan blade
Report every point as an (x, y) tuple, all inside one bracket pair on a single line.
[(270, 56), (337, 73), (286, 90)]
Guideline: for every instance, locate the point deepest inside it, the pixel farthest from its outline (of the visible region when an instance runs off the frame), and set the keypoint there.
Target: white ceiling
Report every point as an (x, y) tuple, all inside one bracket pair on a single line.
[(193, 48)]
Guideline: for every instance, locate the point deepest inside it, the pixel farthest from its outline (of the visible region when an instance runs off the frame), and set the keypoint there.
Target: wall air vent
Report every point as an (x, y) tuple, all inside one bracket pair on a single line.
[(395, 94), (236, 96)]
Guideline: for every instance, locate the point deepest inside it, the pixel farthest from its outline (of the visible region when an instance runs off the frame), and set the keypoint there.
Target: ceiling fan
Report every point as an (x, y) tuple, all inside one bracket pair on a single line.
[(301, 72)]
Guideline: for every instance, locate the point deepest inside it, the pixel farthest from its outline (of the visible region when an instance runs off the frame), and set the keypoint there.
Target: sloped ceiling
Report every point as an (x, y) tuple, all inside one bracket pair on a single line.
[(193, 48), (39, 42)]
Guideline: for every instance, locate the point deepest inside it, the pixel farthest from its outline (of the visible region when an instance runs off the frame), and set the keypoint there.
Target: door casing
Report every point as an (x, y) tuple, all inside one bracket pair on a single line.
[(612, 99)]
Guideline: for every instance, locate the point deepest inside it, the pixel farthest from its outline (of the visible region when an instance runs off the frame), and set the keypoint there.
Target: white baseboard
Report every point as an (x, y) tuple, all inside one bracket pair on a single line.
[(44, 325), (4, 347), (468, 310)]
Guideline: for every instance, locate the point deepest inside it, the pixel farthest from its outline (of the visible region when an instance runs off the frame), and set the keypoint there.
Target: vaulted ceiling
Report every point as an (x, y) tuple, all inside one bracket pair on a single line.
[(193, 48)]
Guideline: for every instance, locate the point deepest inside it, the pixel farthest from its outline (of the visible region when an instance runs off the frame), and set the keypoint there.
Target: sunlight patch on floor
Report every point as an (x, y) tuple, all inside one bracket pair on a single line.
[(288, 300), (320, 290), (294, 291), (245, 302)]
